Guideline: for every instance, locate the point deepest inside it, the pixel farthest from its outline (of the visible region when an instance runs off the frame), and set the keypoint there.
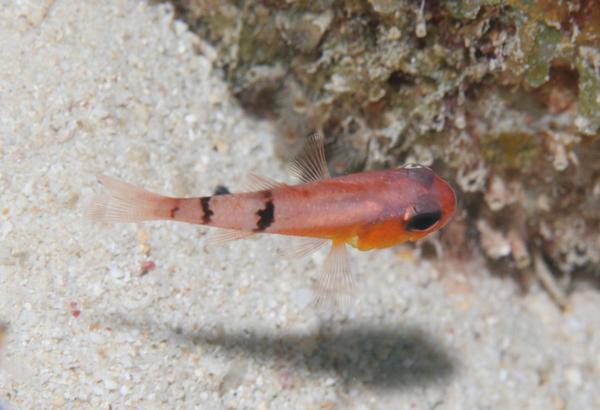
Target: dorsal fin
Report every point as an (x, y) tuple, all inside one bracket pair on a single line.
[(221, 190), (311, 165), (256, 182)]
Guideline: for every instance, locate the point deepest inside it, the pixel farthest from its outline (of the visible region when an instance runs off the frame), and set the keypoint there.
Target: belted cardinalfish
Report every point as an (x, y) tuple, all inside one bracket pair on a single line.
[(367, 210)]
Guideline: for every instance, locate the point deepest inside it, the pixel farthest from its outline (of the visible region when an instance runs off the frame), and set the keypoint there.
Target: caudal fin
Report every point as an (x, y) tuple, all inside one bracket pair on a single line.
[(126, 203)]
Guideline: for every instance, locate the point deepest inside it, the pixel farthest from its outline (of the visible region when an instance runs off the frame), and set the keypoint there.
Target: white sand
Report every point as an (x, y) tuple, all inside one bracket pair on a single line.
[(118, 87)]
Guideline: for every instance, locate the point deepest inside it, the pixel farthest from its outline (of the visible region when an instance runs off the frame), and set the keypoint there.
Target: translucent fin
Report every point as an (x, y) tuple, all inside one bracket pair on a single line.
[(325, 301), (220, 236), (124, 203), (335, 283), (256, 182), (301, 247), (311, 165)]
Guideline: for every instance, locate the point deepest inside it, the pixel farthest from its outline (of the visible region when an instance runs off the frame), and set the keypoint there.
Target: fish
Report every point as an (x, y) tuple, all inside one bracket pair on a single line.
[(366, 210)]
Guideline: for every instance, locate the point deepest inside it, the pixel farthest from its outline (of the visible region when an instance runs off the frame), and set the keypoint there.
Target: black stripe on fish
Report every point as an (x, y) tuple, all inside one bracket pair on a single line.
[(266, 216), (207, 213)]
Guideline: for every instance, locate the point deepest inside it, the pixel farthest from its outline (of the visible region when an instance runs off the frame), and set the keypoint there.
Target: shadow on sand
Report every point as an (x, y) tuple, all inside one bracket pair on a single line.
[(386, 358)]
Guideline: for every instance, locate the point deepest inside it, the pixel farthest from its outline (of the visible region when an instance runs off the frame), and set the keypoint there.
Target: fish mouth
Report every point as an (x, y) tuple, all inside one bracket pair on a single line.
[(447, 200)]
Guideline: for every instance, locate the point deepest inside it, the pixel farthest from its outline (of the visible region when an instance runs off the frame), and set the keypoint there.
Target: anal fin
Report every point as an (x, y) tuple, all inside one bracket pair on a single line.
[(221, 236)]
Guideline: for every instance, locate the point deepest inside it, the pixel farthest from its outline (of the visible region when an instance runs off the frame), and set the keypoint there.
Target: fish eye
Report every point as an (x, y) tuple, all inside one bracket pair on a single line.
[(423, 215), (423, 221)]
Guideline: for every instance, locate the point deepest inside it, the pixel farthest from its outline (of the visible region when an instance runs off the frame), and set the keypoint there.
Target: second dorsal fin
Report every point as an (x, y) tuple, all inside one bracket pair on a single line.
[(311, 165), (256, 182)]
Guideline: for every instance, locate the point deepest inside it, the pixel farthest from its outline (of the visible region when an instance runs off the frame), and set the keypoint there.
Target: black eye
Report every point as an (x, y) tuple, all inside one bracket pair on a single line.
[(423, 221), (425, 213)]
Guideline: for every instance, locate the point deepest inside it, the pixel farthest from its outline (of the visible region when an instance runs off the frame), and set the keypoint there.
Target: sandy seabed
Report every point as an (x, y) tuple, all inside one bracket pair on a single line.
[(120, 87)]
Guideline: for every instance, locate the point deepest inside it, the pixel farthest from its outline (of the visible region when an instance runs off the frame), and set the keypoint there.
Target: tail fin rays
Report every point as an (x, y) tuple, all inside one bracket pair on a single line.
[(126, 203)]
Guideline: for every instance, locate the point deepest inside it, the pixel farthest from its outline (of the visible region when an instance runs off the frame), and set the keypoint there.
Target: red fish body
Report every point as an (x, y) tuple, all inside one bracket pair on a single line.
[(366, 210)]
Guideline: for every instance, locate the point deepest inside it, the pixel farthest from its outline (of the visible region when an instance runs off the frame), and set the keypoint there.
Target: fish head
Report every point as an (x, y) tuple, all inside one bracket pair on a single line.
[(409, 203), (432, 203)]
